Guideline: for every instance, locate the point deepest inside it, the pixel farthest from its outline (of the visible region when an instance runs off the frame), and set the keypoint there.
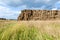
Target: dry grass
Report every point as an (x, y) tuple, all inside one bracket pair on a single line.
[(50, 29), (40, 30)]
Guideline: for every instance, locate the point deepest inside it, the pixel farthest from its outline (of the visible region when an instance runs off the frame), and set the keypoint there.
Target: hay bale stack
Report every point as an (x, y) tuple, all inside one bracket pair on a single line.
[(39, 15)]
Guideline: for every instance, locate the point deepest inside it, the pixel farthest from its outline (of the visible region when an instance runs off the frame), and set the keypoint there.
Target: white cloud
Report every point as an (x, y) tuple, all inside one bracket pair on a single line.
[(7, 12), (1, 3), (9, 1), (22, 7), (54, 8), (40, 8), (45, 1), (57, 4)]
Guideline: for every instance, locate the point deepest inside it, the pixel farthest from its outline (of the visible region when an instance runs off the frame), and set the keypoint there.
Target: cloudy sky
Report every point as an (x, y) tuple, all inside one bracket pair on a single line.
[(10, 9)]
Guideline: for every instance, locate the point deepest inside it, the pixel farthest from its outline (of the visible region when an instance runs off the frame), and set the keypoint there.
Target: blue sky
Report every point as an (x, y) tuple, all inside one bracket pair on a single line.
[(11, 9)]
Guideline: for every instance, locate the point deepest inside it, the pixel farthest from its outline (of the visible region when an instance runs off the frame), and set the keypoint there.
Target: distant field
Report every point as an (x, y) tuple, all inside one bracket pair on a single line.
[(29, 30)]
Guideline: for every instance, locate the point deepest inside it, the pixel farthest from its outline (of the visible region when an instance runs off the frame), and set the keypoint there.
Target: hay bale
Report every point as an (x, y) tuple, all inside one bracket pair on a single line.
[(39, 15)]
